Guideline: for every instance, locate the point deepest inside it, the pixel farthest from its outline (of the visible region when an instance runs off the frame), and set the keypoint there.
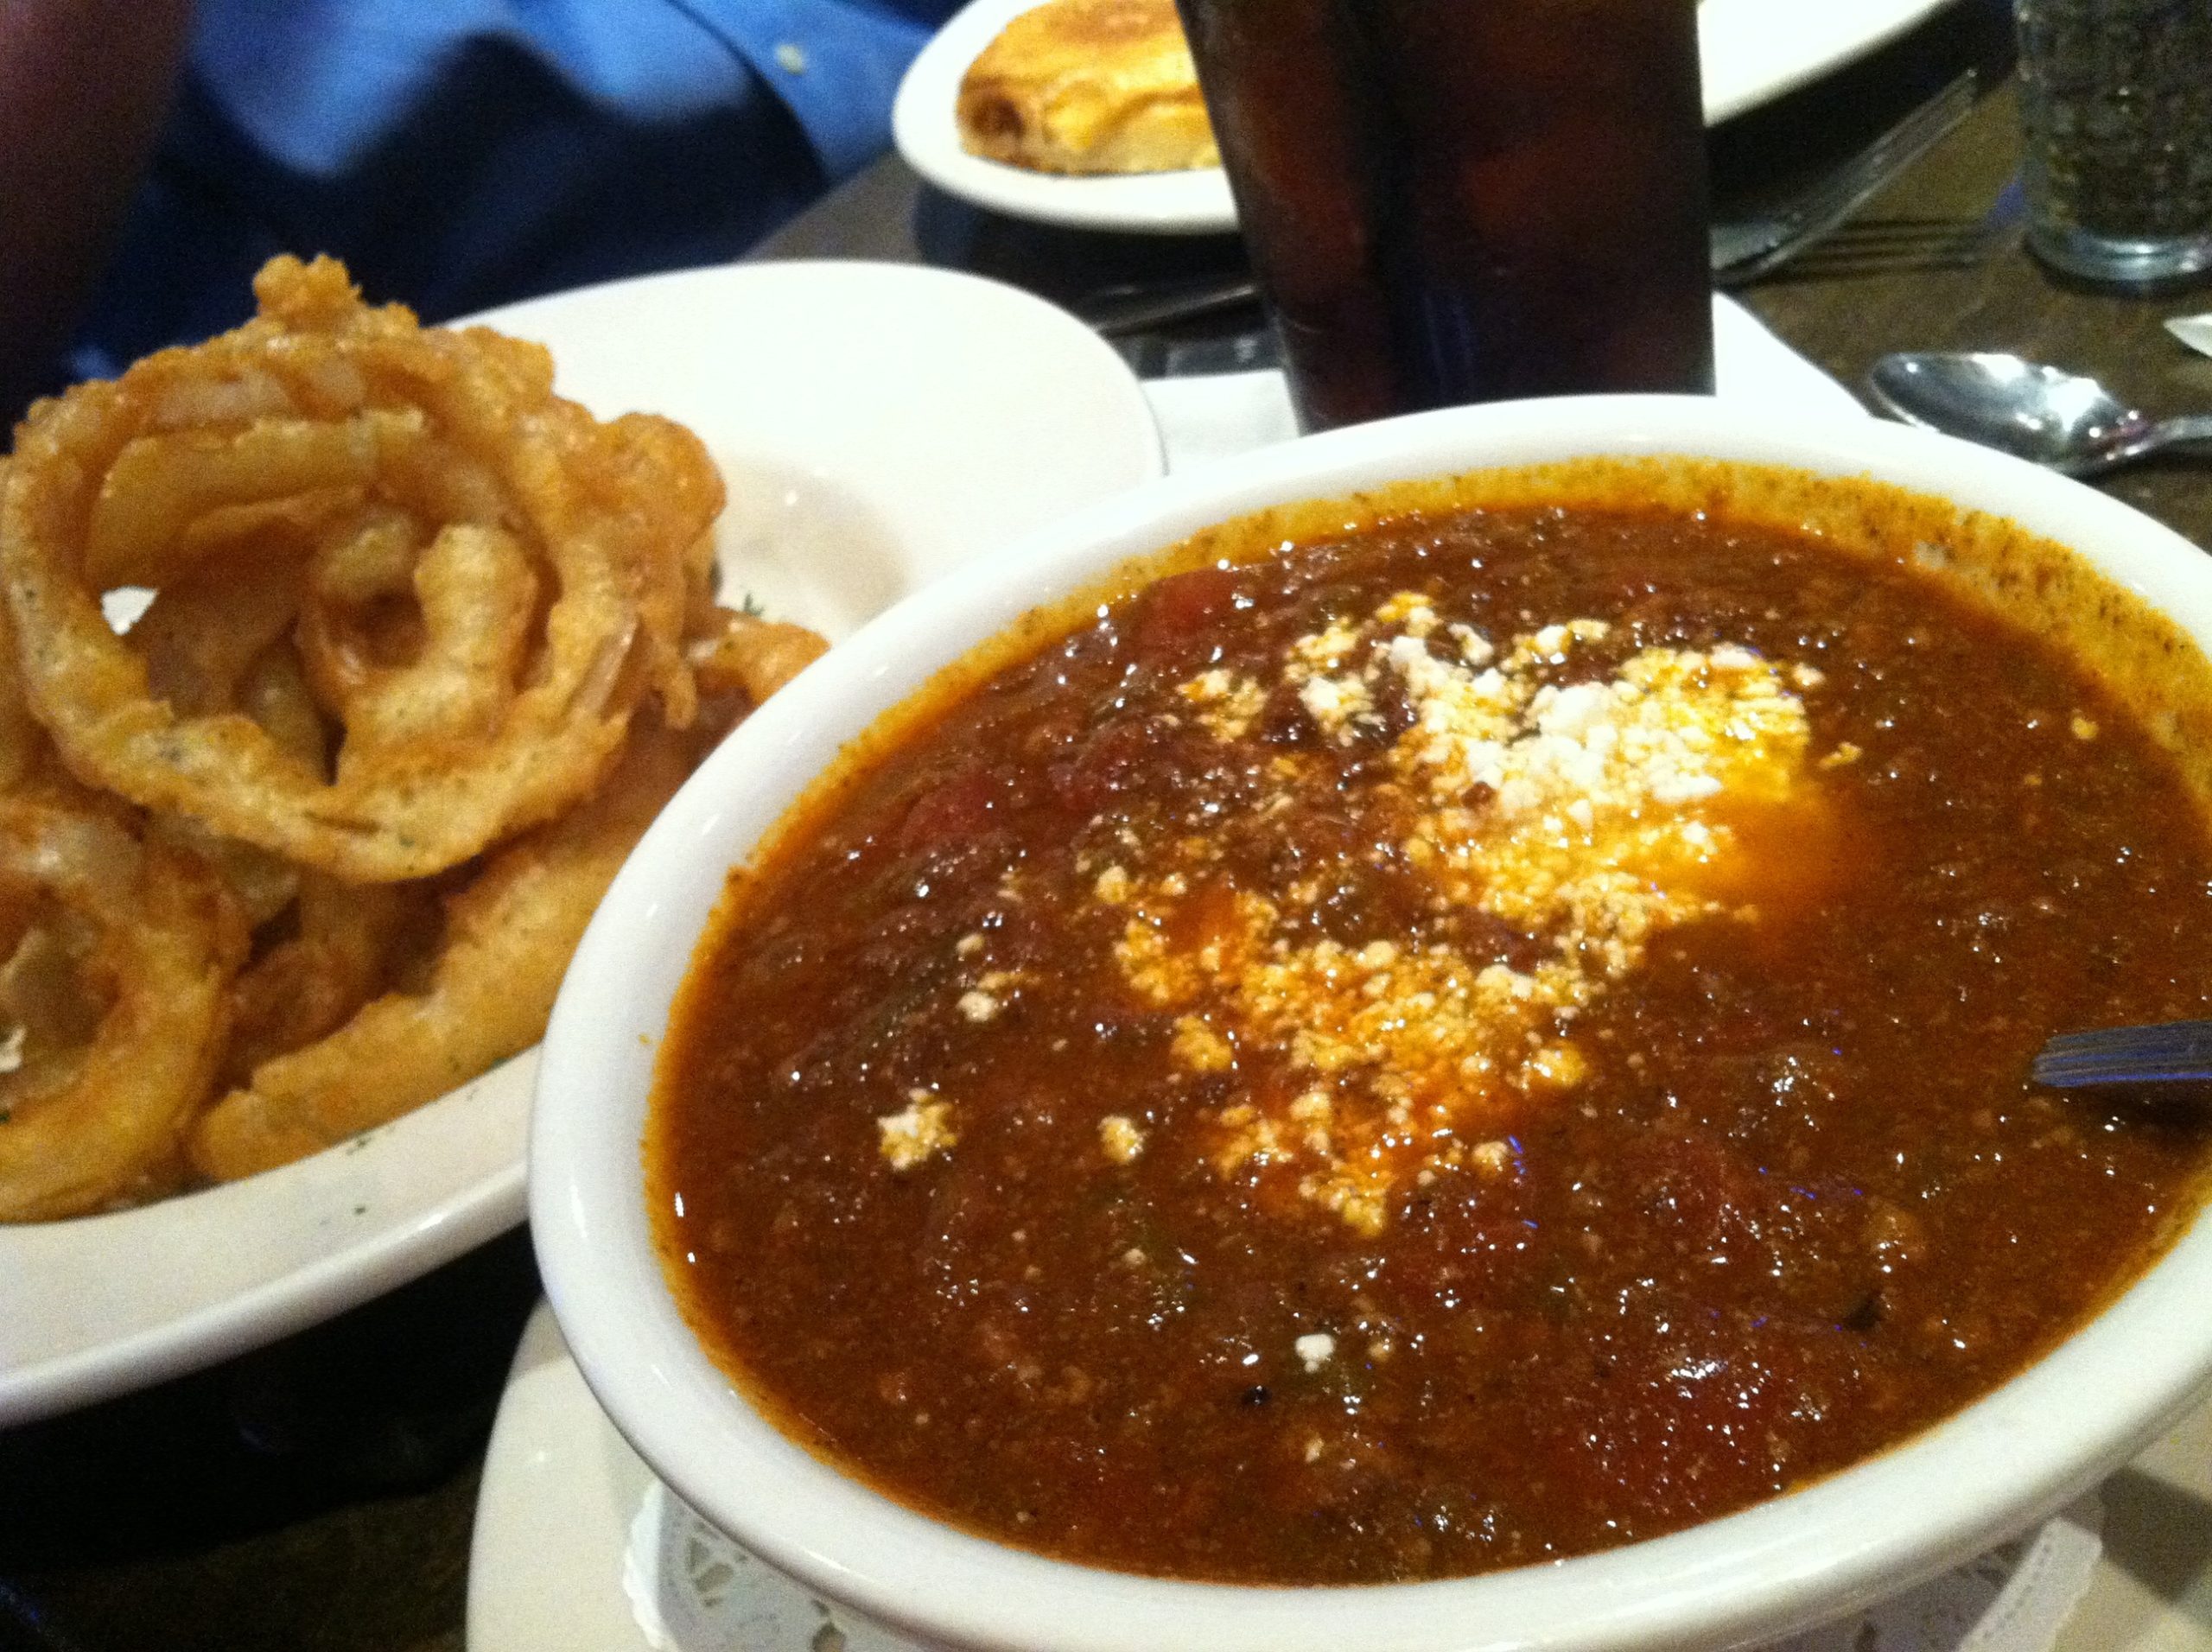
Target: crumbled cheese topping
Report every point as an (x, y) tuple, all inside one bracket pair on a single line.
[(1410, 612), (1334, 703), (1589, 814), (923, 1129), (1119, 1135), (1315, 1350), (1583, 805), (1200, 1048), (1474, 647), (1228, 705), (1325, 650)]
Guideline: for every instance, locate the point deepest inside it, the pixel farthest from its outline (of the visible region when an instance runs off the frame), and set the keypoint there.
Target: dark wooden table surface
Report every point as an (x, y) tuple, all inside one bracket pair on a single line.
[(317, 1497)]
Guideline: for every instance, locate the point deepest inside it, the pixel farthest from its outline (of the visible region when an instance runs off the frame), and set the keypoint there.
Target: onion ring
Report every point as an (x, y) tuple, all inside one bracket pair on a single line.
[(508, 937), (84, 1127), (304, 988), (320, 409), (744, 653)]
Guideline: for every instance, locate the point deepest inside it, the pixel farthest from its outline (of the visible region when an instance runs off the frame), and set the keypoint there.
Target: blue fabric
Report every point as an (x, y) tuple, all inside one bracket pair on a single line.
[(463, 153)]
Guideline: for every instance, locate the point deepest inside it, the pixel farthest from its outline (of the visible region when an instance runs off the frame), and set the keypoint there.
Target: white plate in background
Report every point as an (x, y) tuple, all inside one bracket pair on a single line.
[(876, 425), (1756, 50), (1753, 51), (924, 129)]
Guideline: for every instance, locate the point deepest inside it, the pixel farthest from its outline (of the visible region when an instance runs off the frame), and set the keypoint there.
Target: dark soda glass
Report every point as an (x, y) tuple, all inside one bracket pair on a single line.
[(1463, 200)]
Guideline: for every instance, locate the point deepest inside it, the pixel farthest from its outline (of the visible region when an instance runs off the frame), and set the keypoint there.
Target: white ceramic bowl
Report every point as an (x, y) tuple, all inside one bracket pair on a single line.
[(1855, 1537)]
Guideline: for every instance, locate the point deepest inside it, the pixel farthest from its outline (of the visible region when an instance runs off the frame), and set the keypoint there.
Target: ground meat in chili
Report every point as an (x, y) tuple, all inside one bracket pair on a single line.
[(1475, 1040)]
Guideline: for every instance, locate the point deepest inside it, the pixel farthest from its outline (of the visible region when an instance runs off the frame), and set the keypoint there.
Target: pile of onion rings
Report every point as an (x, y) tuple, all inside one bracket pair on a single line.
[(421, 648)]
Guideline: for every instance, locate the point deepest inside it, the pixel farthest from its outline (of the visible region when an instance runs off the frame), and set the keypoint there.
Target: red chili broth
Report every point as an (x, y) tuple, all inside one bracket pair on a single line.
[(1796, 1202)]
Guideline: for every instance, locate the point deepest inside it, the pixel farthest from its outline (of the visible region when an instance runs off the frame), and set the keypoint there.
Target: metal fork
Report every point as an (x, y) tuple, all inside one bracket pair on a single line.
[(2163, 1053), (1750, 248), (1878, 246)]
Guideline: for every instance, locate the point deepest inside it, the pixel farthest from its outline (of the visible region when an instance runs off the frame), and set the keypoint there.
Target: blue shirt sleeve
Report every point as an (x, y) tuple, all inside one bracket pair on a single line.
[(834, 63), (463, 153)]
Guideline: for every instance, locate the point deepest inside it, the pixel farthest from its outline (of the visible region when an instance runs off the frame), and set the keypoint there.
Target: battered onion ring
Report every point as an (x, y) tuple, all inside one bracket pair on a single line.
[(319, 408), (164, 940), (508, 937), (306, 985), (756, 657)]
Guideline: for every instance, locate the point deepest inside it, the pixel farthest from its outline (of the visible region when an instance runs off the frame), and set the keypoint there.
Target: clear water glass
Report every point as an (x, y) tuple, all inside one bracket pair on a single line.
[(2116, 110)]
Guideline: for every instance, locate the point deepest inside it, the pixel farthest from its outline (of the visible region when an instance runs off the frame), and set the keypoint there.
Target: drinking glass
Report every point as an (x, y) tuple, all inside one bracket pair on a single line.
[(1462, 200), (2116, 111)]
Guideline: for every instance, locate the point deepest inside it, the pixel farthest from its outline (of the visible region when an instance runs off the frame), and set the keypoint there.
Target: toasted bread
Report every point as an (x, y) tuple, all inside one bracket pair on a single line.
[(1088, 87)]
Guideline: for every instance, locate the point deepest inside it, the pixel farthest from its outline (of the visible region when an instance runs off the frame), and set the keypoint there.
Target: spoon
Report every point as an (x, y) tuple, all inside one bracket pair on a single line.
[(2194, 331), (2066, 420), (2163, 1052)]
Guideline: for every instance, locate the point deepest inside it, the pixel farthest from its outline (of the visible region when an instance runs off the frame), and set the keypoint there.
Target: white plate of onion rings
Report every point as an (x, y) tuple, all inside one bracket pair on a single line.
[(873, 425)]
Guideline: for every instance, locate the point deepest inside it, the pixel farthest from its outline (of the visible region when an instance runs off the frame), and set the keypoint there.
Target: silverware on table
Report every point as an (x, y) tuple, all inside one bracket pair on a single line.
[(2194, 331), (1156, 355), (1136, 306), (1741, 248), (1752, 246), (2034, 412), (1865, 245), (2167, 1051)]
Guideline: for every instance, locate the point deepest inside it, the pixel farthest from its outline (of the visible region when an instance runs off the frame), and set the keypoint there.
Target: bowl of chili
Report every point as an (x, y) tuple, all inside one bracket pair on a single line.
[(1419, 1040)]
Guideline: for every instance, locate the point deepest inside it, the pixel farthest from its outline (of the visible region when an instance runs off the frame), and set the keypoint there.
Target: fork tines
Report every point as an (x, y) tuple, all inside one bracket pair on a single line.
[(1870, 246), (1744, 250)]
